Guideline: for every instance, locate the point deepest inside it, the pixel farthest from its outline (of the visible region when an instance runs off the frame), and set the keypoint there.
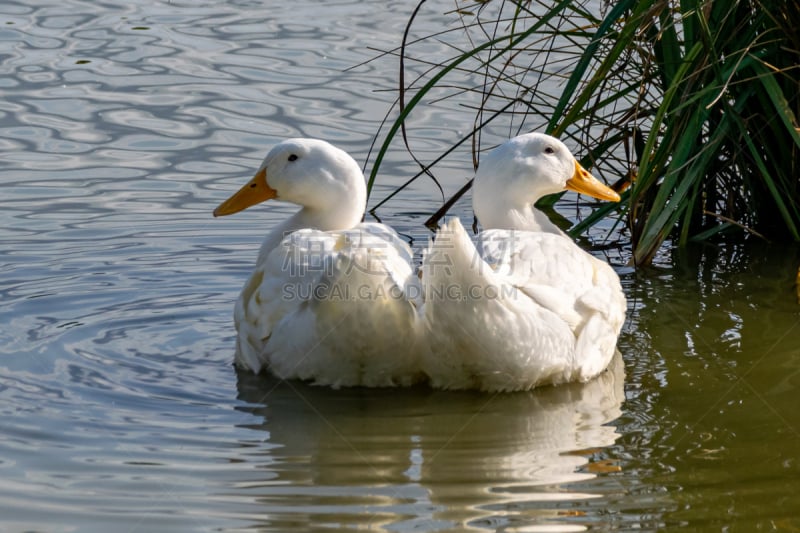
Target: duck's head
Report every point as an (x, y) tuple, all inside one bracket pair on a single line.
[(513, 176), (314, 174)]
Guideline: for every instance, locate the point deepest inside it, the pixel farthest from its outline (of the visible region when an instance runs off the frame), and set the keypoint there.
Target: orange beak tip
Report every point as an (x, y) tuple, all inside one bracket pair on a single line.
[(583, 182), (253, 192)]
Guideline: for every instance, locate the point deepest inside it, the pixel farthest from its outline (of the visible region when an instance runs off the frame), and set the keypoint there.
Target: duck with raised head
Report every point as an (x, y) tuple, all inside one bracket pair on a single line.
[(331, 300), (525, 306)]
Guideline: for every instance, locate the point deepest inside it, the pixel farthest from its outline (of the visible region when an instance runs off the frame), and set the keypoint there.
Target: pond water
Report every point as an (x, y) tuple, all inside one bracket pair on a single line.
[(122, 125)]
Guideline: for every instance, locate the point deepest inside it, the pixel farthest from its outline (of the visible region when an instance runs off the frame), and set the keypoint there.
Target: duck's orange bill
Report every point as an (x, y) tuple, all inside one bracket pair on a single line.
[(584, 183), (257, 190)]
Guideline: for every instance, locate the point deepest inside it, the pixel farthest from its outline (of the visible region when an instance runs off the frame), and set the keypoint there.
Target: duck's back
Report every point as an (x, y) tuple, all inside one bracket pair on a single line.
[(556, 273), (336, 308), (537, 310)]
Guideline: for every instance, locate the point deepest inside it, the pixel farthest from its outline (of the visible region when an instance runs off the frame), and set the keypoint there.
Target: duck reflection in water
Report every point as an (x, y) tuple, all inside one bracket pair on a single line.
[(464, 457)]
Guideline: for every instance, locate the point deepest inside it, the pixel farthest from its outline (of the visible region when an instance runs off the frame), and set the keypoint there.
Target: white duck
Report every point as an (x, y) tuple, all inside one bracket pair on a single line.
[(331, 300), (527, 306)]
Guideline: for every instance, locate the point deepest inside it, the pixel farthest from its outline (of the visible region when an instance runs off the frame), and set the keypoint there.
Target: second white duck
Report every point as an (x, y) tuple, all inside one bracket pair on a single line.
[(526, 306)]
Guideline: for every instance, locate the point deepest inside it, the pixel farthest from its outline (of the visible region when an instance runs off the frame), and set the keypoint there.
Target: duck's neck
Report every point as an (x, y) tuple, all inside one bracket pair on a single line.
[(495, 212), (307, 217)]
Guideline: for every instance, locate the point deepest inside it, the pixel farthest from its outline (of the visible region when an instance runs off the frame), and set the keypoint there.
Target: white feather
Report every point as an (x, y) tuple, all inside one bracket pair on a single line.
[(335, 307)]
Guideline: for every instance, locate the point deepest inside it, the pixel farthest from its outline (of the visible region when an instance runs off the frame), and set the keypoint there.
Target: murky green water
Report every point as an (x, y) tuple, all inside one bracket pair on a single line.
[(122, 125)]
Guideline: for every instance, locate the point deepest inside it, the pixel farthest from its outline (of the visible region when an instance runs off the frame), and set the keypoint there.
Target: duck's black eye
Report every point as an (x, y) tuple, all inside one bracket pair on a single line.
[(293, 157), (549, 150)]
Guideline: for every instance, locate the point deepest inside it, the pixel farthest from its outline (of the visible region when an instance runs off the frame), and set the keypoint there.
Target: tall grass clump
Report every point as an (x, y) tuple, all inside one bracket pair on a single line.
[(690, 106)]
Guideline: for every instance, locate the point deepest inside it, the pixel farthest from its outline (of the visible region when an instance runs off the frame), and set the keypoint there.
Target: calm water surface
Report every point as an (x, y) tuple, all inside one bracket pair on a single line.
[(122, 125)]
